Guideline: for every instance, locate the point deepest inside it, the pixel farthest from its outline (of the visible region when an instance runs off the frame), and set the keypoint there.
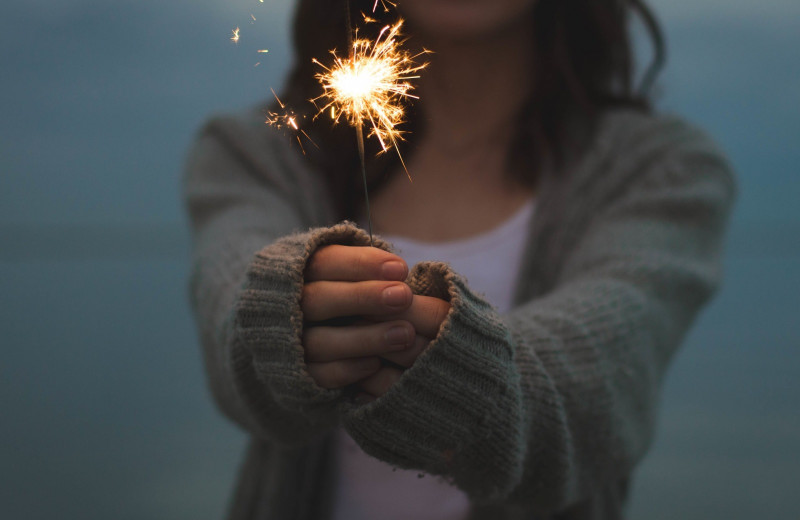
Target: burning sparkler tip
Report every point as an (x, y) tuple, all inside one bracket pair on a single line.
[(369, 86)]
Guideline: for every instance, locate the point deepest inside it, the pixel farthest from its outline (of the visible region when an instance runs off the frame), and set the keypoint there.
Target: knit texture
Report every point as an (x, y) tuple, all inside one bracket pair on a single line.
[(543, 412), (268, 323), (456, 412)]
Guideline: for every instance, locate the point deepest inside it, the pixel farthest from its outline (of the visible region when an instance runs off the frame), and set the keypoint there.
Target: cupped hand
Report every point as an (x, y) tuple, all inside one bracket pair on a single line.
[(426, 314), (392, 324), (363, 282)]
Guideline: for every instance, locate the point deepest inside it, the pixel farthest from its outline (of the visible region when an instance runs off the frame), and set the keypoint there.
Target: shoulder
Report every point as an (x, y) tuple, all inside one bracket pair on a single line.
[(641, 133), (632, 147)]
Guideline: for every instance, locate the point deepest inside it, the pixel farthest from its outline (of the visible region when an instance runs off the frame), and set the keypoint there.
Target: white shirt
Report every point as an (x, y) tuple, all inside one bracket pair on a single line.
[(370, 489)]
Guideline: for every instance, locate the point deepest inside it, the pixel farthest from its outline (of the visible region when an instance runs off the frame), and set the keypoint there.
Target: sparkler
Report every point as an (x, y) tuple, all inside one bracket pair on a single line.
[(368, 87)]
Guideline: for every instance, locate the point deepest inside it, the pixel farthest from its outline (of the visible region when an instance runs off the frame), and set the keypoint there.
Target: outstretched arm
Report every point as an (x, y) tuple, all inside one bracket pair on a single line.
[(545, 405), (263, 292), (247, 205)]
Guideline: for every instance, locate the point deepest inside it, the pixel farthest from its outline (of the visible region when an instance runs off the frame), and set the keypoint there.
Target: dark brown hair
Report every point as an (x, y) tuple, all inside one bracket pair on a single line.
[(583, 66)]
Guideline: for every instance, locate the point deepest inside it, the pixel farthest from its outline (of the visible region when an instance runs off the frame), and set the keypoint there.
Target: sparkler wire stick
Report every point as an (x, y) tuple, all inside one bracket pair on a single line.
[(360, 135), (368, 87), (360, 138)]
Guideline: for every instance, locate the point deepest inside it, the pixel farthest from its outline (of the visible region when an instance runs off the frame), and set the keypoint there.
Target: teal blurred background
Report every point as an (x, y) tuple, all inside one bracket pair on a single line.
[(104, 409)]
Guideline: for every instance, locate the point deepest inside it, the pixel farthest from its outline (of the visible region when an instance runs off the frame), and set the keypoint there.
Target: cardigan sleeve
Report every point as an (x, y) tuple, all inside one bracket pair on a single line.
[(249, 254), (545, 405)]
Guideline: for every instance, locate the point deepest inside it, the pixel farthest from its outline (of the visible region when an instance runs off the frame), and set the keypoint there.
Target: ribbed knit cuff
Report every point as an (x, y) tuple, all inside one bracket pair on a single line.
[(457, 411), (269, 320)]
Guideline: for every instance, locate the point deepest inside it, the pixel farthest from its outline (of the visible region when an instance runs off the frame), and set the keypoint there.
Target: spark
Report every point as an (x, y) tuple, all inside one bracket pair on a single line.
[(257, 64), (262, 51), (287, 119), (368, 87), (235, 37), (383, 3), (253, 17)]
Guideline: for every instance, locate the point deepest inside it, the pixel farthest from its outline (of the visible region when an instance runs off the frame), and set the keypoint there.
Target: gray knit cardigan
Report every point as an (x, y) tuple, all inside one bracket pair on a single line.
[(543, 412)]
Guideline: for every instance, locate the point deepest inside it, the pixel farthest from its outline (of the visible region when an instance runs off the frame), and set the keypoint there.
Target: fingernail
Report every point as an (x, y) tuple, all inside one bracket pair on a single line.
[(397, 337), (395, 296), (393, 270)]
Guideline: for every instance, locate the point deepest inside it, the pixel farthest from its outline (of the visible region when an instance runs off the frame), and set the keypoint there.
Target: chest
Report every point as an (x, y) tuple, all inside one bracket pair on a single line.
[(445, 203)]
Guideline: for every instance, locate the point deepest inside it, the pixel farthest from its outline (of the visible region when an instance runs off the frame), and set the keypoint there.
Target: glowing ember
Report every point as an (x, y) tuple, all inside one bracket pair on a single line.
[(287, 119), (383, 3)]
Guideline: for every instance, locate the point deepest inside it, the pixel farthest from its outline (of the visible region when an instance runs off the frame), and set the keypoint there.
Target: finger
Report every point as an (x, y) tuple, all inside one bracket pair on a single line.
[(354, 264), (343, 372), (408, 356), (425, 313), (322, 344), (325, 300), (379, 383)]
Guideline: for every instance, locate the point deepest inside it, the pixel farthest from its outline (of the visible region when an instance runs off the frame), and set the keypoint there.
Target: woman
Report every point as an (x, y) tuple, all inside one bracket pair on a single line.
[(588, 227)]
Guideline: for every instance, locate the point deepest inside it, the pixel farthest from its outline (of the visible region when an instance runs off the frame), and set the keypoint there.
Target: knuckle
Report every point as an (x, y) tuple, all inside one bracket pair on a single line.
[(369, 340), (360, 261), (308, 296), (363, 296), (315, 262), (309, 343)]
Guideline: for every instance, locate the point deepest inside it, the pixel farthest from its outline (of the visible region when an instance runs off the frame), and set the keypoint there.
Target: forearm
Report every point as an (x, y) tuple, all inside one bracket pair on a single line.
[(455, 412), (592, 376), (220, 285), (258, 362), (570, 392), (242, 201)]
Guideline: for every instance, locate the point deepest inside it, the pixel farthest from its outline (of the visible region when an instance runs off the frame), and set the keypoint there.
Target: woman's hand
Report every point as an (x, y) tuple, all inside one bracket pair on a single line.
[(366, 282), (426, 314)]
